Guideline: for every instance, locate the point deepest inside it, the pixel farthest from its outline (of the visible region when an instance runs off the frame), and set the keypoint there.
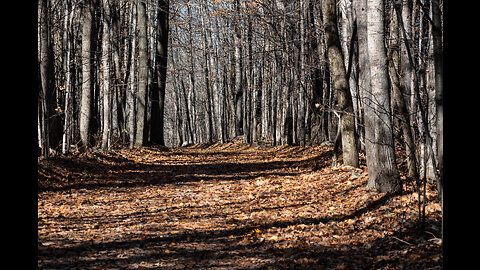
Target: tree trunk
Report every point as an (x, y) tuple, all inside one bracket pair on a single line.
[(206, 75), (438, 61), (86, 98), (48, 95), (158, 95), (142, 72), (248, 82), (398, 89), (407, 77), (238, 80), (217, 96), (303, 82), (191, 95), (340, 81), (68, 112), (364, 86), (386, 178), (349, 32), (131, 82), (105, 78)]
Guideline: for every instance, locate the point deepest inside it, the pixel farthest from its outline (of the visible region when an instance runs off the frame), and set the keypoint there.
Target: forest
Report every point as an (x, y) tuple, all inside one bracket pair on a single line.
[(240, 134)]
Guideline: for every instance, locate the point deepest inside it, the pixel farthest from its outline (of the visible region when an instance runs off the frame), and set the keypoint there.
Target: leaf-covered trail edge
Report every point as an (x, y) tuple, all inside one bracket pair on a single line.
[(226, 206)]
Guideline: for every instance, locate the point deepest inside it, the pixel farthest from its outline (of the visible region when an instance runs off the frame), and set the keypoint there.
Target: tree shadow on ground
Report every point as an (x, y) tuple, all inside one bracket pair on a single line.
[(112, 170), (238, 248), (163, 244)]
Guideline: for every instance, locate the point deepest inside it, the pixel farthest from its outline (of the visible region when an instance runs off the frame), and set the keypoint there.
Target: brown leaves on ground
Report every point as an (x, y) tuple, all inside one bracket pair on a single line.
[(226, 206)]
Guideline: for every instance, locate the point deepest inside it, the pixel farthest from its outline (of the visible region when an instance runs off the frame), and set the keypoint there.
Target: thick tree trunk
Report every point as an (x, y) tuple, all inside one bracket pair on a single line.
[(407, 76), (340, 81), (48, 96), (158, 95), (142, 73), (86, 98), (386, 178), (349, 33), (364, 86)]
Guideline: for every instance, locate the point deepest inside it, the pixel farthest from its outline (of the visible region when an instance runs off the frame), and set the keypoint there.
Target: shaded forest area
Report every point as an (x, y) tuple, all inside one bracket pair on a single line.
[(227, 206), (130, 91)]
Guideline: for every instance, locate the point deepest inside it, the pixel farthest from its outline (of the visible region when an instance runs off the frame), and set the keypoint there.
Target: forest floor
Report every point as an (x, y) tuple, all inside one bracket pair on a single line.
[(226, 206)]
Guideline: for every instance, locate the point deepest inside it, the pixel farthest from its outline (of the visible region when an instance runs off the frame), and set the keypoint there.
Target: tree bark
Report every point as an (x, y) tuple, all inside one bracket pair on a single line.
[(68, 112), (386, 178), (340, 82), (158, 95), (86, 98), (364, 85), (206, 75), (407, 76), (303, 82), (398, 89), (48, 95), (105, 78), (238, 91), (142, 72), (438, 62), (131, 82)]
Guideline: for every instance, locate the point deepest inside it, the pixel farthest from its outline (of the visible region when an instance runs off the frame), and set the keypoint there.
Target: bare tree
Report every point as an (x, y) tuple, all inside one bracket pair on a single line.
[(86, 97), (158, 93), (364, 85), (399, 90), (340, 82), (105, 77), (438, 60), (50, 120), (142, 73), (386, 177), (130, 99)]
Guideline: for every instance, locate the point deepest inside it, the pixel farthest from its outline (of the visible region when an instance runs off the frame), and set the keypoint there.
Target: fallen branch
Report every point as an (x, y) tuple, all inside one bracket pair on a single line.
[(403, 241)]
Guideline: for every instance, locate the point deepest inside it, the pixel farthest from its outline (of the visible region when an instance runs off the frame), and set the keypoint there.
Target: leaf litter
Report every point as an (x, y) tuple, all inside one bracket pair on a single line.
[(226, 206)]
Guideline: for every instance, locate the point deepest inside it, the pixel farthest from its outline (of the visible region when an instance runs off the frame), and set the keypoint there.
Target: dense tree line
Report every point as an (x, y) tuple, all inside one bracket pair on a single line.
[(362, 75), (102, 73)]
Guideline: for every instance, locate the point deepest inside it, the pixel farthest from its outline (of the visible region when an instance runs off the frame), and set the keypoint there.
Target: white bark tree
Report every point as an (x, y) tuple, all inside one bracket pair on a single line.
[(86, 98), (386, 177), (105, 78)]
